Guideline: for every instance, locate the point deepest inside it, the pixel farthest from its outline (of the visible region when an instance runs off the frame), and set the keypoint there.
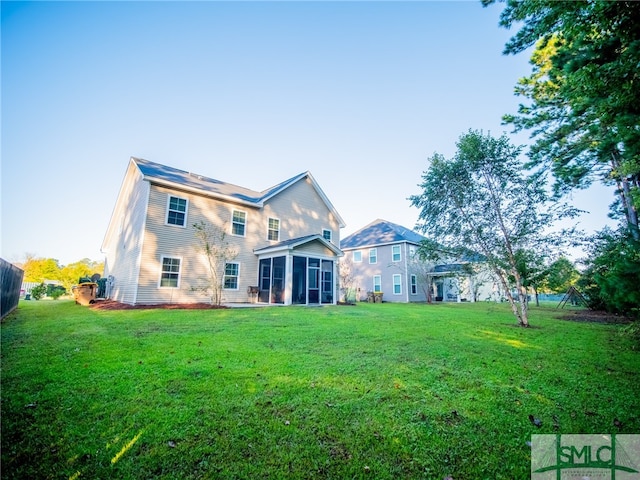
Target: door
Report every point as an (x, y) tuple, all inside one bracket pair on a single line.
[(327, 281), (313, 276), (299, 287)]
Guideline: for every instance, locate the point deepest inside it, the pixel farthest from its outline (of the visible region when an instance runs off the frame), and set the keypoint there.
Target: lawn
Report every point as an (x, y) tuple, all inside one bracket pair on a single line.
[(370, 391)]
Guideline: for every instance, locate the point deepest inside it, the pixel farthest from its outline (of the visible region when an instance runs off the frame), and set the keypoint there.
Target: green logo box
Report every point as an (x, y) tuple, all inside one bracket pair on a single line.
[(585, 457)]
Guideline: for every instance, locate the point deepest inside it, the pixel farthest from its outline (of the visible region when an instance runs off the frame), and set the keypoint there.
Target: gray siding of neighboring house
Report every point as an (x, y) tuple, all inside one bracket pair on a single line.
[(364, 273), (123, 242), (299, 208)]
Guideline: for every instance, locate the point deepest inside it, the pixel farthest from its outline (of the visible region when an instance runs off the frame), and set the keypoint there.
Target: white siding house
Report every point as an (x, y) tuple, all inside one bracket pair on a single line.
[(280, 234)]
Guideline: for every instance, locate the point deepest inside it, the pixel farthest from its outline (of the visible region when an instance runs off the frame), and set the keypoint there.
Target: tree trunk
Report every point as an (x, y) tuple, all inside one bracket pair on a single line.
[(524, 306), (624, 190)]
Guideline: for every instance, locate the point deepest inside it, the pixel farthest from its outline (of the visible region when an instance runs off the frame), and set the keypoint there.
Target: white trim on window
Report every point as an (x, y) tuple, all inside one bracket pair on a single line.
[(357, 256), (238, 223), (414, 284), (232, 275), (377, 283), (170, 272), (397, 284), (176, 211), (395, 253), (273, 230), (327, 234), (373, 255)]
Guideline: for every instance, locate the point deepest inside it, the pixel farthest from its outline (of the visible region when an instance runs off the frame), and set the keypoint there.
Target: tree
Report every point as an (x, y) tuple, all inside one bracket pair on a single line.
[(71, 273), (481, 201), (422, 264), (213, 243), (611, 279), (40, 269), (561, 275), (584, 108), (348, 281), (533, 270)]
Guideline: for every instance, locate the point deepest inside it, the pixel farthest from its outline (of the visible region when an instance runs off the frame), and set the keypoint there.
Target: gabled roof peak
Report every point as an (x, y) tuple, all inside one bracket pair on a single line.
[(380, 232)]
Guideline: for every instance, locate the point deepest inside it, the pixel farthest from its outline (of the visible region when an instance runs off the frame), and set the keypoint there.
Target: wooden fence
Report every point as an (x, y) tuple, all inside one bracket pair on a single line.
[(10, 284)]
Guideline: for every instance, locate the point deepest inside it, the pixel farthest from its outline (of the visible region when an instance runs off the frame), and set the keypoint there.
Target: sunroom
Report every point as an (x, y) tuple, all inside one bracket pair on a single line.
[(300, 271)]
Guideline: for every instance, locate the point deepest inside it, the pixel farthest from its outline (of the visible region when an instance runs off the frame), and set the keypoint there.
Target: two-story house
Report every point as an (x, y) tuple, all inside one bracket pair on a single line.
[(381, 257), (286, 239)]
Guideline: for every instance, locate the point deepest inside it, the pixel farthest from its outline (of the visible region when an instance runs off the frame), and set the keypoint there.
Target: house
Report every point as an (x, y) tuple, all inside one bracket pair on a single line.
[(381, 257), (286, 238)]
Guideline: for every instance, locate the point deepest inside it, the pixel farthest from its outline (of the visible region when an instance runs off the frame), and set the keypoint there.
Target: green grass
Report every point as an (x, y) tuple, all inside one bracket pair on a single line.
[(373, 391)]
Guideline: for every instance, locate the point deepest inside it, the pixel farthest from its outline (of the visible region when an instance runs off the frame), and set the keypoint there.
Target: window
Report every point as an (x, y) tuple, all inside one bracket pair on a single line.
[(273, 229), (377, 283), (170, 276), (177, 211), (373, 255), (412, 251), (395, 253), (397, 284), (231, 276), (238, 223), (326, 234), (357, 256), (414, 285)]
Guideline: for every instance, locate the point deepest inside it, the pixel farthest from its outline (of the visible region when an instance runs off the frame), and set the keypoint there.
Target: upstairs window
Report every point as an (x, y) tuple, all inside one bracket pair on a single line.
[(273, 229), (373, 255), (177, 211), (357, 256), (238, 223), (395, 253), (326, 234), (170, 276)]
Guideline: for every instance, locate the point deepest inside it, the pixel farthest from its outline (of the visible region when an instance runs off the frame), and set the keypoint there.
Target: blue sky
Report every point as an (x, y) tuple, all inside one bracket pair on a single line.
[(251, 93)]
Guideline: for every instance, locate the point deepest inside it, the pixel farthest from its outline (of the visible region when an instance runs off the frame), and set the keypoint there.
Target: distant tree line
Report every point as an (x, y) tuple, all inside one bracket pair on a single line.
[(40, 269)]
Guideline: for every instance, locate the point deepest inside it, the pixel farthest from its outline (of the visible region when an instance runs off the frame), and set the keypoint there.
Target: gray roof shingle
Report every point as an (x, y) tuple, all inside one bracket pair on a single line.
[(163, 173), (380, 232)]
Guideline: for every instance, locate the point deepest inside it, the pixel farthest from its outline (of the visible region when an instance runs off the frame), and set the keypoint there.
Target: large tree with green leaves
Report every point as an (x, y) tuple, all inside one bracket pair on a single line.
[(40, 269), (584, 93), (483, 201), (561, 275), (612, 276)]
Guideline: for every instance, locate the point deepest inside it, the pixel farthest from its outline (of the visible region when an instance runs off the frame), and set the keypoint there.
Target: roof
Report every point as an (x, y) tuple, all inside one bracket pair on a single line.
[(296, 242), (173, 177), (380, 232)]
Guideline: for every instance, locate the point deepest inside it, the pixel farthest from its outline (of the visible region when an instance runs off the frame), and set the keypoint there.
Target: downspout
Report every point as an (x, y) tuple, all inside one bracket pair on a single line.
[(406, 272)]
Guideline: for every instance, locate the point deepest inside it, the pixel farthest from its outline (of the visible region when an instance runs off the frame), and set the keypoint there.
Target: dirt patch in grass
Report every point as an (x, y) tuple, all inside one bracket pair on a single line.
[(594, 316), (111, 305)]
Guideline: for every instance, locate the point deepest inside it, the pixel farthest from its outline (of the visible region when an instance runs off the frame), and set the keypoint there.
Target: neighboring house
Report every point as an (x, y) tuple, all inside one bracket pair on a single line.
[(286, 237), (382, 257)]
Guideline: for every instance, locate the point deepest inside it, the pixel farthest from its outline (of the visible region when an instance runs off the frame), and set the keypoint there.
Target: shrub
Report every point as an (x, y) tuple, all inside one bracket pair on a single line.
[(55, 291), (39, 291)]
